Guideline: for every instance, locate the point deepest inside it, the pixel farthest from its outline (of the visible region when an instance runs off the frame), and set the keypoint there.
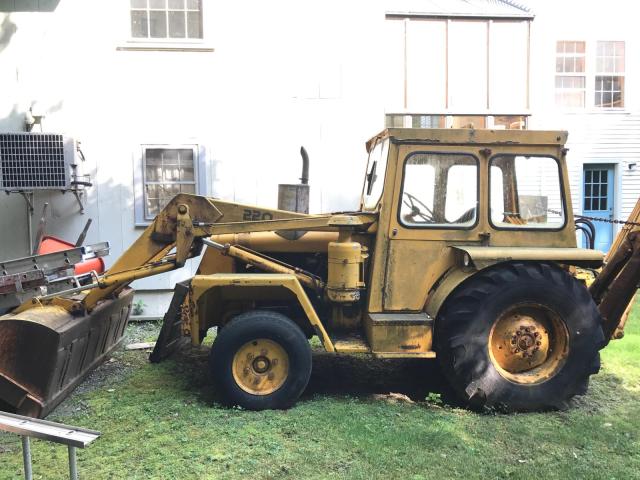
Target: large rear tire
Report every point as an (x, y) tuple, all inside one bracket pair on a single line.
[(260, 360), (519, 337)]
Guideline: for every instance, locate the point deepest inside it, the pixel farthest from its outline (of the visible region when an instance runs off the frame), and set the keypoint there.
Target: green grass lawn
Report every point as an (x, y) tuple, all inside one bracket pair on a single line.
[(163, 422)]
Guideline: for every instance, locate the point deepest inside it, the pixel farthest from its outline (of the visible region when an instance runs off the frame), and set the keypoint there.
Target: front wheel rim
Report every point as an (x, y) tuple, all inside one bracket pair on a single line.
[(260, 367), (528, 343)]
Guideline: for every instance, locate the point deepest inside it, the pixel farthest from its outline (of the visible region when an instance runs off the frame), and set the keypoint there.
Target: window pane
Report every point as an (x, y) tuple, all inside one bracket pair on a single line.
[(467, 64), (176, 4), (394, 121), (167, 168), (439, 190), (609, 91), (469, 121), (153, 173), (186, 174), (376, 168), (427, 121), (176, 25), (194, 25), (153, 156), (531, 196), (158, 4), (186, 157), (139, 24), (461, 195), (138, 3), (193, 4), (510, 122), (158, 24)]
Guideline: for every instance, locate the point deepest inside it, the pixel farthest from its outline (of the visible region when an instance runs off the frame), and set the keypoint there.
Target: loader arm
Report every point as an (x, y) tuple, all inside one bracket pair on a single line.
[(185, 219), (615, 287)]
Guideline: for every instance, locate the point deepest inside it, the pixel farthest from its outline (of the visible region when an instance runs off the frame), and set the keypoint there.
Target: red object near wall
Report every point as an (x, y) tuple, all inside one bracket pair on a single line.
[(52, 244)]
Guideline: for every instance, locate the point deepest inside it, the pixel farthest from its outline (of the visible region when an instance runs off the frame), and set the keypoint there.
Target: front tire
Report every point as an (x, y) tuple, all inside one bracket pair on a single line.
[(260, 360), (519, 337)]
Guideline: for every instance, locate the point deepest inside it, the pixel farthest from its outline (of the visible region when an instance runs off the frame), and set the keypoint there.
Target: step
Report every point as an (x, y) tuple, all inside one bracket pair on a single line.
[(399, 334), (351, 343)]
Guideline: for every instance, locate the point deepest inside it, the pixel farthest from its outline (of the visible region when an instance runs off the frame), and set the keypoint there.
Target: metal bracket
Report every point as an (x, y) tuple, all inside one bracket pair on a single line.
[(79, 194), (28, 197)]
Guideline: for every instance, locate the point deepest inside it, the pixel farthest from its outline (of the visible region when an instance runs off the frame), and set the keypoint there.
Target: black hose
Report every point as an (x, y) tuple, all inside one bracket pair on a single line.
[(588, 228)]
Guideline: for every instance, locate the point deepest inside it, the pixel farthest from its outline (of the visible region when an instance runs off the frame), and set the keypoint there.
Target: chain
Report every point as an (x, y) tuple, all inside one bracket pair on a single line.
[(598, 219)]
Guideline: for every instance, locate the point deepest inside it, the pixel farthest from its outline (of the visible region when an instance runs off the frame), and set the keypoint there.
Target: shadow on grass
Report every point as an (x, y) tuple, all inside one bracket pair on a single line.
[(360, 376), (357, 376)]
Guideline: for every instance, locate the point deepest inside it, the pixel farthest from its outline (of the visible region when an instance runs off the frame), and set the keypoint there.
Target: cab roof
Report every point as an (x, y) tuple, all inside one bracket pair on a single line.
[(465, 136)]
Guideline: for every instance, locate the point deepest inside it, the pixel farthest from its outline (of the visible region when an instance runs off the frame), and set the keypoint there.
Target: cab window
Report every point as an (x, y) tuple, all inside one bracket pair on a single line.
[(374, 181), (526, 193), (439, 190)]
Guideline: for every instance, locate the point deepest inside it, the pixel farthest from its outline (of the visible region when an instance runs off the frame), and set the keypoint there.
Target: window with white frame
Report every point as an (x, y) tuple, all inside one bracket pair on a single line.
[(590, 70), (570, 74), (166, 173), (609, 87), (166, 19)]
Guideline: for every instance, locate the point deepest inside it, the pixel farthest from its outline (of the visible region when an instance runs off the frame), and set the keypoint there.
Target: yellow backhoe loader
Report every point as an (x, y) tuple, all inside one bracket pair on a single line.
[(463, 249)]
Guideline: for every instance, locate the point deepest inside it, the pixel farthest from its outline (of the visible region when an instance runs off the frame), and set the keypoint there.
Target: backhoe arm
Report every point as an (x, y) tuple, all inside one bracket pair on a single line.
[(615, 287)]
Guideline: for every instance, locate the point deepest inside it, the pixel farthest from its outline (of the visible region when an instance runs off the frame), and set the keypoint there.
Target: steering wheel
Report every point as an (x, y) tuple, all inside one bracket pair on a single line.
[(418, 208)]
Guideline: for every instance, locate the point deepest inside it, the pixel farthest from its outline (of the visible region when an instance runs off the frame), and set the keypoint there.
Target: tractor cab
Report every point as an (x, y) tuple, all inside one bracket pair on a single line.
[(483, 195), (437, 175)]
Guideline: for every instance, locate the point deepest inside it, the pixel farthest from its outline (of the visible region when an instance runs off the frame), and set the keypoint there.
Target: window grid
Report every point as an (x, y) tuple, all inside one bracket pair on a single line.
[(166, 19), (596, 185), (167, 172), (609, 81), (570, 74)]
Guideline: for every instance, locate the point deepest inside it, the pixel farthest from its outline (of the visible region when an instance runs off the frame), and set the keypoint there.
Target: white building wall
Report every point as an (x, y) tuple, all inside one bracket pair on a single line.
[(600, 136), (281, 75)]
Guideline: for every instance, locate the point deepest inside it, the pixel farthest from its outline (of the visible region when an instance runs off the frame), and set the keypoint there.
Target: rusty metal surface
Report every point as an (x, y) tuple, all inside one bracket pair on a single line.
[(484, 256), (616, 285), (170, 337), (46, 352)]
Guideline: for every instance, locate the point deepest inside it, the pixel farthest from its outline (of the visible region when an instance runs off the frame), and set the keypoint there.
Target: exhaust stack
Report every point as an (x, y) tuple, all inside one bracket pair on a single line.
[(295, 197)]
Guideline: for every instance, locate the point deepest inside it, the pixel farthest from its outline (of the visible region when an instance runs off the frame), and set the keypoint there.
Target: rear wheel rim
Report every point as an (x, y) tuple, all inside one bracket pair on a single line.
[(528, 343), (260, 367)]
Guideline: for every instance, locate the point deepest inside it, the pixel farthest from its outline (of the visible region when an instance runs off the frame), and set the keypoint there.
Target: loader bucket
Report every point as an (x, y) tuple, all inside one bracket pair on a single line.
[(45, 352)]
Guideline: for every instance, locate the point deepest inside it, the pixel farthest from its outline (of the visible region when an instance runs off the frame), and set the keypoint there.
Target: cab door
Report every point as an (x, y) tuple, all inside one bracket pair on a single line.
[(436, 203)]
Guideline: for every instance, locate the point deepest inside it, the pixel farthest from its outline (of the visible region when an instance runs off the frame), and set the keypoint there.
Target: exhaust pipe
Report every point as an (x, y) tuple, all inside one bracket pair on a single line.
[(295, 197), (305, 166)]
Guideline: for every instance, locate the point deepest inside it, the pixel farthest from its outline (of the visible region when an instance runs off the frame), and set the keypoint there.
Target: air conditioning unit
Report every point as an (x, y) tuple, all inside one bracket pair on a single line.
[(37, 161)]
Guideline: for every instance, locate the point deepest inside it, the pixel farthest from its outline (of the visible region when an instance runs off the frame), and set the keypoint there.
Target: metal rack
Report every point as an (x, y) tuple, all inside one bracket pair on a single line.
[(27, 427)]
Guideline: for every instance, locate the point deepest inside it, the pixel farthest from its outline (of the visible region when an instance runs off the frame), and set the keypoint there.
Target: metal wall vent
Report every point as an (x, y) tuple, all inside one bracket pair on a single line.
[(36, 161)]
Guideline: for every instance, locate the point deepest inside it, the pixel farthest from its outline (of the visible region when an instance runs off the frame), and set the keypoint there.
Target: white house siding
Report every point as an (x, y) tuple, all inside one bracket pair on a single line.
[(281, 75), (597, 136)]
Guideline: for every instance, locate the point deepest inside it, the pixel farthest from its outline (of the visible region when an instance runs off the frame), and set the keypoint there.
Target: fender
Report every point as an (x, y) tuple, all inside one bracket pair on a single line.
[(471, 259), (206, 289)]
